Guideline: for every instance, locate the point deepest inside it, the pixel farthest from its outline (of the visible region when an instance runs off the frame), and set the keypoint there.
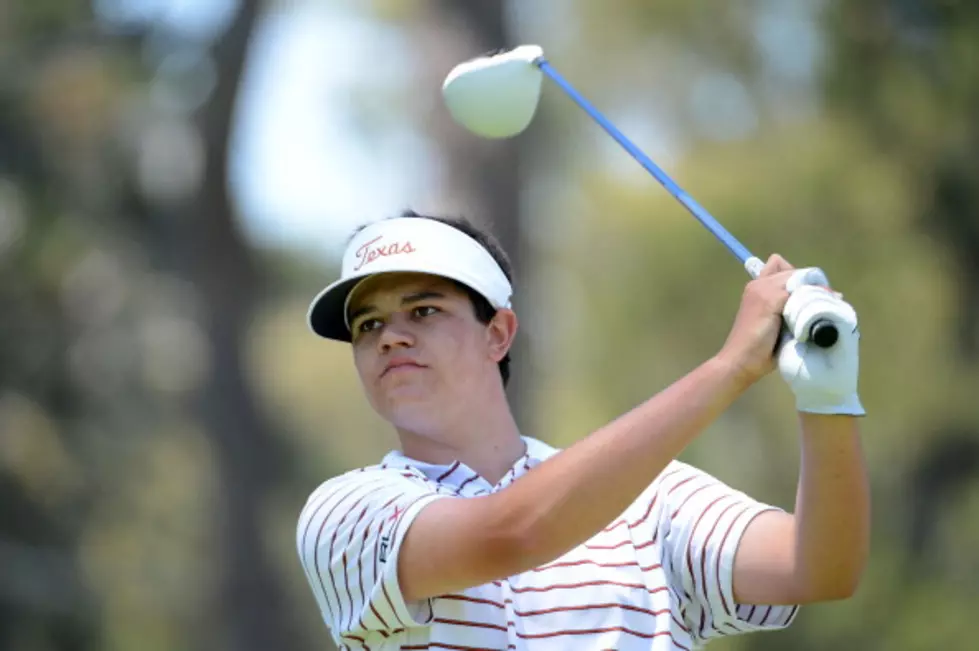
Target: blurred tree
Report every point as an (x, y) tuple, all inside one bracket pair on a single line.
[(138, 466), (842, 161), (915, 94), (208, 250), (476, 178), (45, 598), (127, 292)]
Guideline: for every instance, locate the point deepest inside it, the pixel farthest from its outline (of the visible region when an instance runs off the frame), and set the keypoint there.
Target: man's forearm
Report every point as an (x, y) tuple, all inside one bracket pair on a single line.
[(832, 513), (576, 493)]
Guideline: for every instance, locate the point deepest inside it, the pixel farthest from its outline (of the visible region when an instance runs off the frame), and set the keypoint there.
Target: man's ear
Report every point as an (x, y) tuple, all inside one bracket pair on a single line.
[(501, 330)]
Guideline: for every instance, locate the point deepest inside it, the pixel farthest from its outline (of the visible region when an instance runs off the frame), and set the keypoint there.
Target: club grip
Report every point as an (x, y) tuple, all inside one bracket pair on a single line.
[(823, 333)]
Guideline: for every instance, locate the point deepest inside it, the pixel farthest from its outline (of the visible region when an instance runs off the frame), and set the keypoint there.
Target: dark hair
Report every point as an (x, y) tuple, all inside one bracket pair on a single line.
[(482, 309)]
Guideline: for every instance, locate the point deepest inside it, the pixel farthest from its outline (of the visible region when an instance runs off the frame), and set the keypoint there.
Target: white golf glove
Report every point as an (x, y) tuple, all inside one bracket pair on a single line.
[(824, 380)]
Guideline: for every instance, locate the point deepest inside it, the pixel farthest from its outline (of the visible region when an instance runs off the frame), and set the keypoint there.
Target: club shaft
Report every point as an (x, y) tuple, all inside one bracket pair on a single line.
[(751, 263), (704, 217)]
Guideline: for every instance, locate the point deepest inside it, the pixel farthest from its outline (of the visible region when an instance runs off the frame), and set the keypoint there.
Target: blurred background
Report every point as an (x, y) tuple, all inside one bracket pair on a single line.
[(178, 178)]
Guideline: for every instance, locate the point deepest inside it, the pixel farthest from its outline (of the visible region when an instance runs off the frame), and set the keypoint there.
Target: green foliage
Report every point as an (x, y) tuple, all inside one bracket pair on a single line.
[(863, 165)]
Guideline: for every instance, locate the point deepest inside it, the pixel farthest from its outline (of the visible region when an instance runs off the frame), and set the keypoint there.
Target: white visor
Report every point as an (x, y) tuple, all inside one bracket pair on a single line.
[(407, 244)]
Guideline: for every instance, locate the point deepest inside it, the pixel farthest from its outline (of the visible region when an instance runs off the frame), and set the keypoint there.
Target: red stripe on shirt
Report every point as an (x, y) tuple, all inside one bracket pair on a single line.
[(587, 561), (791, 612), (309, 525), (463, 484), (652, 502), (380, 578), (394, 536), (507, 477), (649, 509), (475, 600), (593, 631), (468, 624), (448, 472), (559, 609), (333, 540), (679, 484), (440, 645), (703, 557), (387, 597), (687, 498), (360, 558), (367, 598), (693, 536), (615, 546), (376, 577), (614, 525), (584, 584), (316, 556), (717, 570), (584, 561), (768, 611), (655, 613), (380, 530)]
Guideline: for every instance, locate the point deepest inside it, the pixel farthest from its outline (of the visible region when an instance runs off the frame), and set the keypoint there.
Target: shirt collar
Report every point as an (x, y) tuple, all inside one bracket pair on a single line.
[(456, 473)]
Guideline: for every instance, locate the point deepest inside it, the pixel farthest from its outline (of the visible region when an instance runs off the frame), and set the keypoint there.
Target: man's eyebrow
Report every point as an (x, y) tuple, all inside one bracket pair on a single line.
[(361, 312), (405, 300), (421, 296)]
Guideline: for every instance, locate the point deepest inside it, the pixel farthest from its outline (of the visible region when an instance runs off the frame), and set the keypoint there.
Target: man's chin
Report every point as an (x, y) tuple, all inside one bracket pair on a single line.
[(414, 411)]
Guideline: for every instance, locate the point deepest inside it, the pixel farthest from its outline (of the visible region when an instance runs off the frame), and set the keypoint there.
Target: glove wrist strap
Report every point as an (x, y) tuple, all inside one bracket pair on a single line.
[(849, 406)]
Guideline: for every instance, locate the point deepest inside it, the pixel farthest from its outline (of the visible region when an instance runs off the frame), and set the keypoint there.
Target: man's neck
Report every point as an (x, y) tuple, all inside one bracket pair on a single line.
[(488, 441)]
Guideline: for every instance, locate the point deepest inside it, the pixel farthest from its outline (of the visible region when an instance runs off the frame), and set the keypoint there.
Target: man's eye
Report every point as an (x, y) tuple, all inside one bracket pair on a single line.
[(424, 310), (368, 325)]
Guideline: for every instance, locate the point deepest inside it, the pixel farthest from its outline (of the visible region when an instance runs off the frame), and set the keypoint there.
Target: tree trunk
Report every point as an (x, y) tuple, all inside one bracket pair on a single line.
[(479, 178), (213, 255)]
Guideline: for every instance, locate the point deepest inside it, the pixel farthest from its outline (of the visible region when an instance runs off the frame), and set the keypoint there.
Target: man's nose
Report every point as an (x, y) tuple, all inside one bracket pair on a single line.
[(396, 334)]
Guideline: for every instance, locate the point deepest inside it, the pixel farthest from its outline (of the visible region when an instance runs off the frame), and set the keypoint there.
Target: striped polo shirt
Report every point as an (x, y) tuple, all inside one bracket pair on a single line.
[(659, 576)]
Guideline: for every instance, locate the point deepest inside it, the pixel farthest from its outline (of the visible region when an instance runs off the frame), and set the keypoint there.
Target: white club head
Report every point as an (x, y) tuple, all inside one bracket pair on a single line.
[(495, 96)]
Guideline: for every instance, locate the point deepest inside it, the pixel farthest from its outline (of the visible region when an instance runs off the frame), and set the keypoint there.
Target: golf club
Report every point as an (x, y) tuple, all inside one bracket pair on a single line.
[(495, 96)]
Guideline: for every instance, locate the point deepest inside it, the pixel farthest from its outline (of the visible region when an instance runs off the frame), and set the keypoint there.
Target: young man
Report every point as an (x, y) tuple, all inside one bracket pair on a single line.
[(472, 536)]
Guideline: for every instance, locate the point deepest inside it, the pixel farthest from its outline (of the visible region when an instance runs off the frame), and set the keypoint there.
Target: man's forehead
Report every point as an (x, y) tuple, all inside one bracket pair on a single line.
[(397, 286)]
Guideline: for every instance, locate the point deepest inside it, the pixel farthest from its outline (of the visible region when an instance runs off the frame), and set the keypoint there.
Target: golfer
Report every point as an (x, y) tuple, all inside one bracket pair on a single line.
[(472, 535)]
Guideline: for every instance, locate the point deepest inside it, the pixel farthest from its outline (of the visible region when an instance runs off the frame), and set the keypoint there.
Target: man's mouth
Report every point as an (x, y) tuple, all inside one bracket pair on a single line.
[(400, 365)]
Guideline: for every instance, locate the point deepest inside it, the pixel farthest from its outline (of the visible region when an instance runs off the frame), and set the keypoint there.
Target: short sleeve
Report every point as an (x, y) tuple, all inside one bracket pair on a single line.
[(348, 538), (700, 525)]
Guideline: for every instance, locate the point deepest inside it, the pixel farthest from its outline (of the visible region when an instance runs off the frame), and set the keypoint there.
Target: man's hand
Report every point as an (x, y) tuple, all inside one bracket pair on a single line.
[(824, 380), (750, 346)]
